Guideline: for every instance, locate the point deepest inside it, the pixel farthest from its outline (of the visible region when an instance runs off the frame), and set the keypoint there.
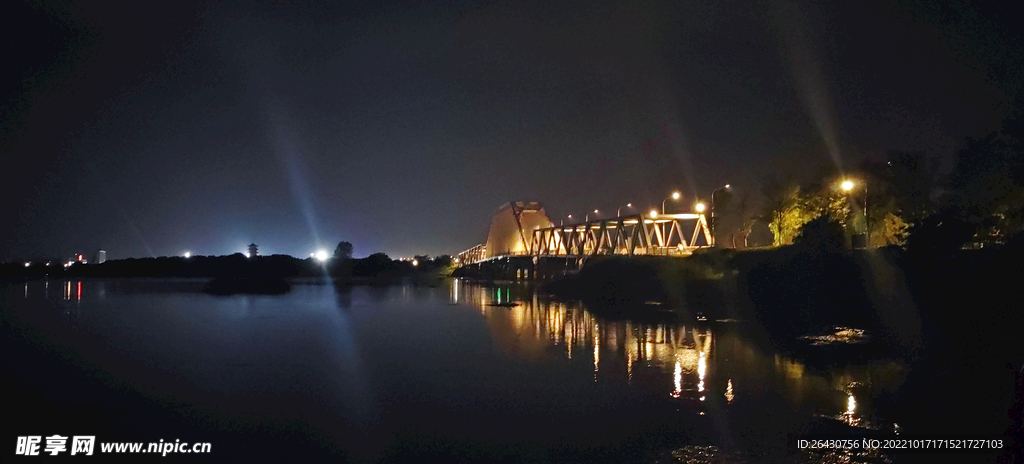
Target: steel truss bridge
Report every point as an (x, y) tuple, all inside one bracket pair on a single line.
[(627, 235), (634, 234)]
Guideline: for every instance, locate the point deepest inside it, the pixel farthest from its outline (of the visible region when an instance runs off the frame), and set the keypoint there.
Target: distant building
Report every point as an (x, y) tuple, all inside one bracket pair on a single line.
[(101, 257), (253, 250)]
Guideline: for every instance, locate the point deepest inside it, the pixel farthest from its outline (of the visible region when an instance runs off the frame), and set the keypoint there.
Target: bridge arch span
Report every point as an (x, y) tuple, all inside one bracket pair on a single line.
[(512, 228)]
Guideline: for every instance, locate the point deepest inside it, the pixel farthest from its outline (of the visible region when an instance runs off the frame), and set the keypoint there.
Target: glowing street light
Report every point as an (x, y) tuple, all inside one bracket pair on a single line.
[(675, 196), (700, 207), (618, 211), (653, 214), (847, 185), (726, 187), (587, 217), (415, 262)]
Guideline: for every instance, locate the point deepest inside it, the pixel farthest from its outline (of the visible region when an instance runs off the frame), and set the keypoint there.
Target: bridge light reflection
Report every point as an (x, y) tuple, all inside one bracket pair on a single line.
[(851, 410), (702, 369), (677, 360), (677, 378)]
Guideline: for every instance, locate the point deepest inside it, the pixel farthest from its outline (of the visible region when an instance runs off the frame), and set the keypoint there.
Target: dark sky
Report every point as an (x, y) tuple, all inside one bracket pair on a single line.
[(148, 130)]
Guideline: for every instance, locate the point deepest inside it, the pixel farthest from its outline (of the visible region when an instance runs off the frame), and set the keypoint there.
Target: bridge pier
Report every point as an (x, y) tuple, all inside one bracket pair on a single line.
[(548, 267), (501, 268), (520, 268)]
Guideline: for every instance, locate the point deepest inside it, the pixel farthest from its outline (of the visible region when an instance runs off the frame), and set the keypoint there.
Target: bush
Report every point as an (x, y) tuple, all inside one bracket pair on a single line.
[(941, 233), (821, 234)]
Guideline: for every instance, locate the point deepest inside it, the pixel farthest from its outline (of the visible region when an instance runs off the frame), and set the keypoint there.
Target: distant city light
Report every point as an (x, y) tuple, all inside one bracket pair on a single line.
[(188, 254), (415, 262), (320, 255), (28, 263)]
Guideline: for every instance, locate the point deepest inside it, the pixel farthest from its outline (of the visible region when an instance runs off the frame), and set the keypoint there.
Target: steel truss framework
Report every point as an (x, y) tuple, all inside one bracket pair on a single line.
[(637, 234), (473, 255), (627, 235)]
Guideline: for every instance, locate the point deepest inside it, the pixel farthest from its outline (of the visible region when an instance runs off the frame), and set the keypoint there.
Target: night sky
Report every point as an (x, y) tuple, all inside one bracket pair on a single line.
[(150, 129)]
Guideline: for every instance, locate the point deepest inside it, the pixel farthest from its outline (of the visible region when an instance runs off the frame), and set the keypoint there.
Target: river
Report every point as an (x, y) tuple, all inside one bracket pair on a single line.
[(460, 372)]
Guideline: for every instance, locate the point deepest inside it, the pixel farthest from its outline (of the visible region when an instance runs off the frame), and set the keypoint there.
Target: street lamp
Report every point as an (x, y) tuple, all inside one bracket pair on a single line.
[(588, 216), (726, 187), (560, 221), (847, 185), (617, 211), (674, 196), (700, 207)]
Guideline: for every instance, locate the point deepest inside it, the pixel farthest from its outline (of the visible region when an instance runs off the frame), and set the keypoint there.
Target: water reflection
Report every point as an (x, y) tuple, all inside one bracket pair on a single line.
[(680, 361), (850, 416), (618, 350)]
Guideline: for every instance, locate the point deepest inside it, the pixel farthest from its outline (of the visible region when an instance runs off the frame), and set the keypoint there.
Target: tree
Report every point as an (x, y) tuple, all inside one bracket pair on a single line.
[(940, 233), (822, 233), (790, 206), (783, 213), (374, 265), (986, 184), (911, 178), (343, 251)]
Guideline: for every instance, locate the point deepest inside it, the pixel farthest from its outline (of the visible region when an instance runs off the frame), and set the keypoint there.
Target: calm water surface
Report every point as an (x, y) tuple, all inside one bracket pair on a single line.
[(459, 373)]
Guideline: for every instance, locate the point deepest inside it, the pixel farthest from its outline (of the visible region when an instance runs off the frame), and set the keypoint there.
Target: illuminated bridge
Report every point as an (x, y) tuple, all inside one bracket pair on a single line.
[(522, 229)]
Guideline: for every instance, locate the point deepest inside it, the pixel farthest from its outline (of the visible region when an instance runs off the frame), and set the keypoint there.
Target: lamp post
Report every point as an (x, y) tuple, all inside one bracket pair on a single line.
[(675, 196), (847, 186), (699, 207), (588, 216), (618, 211), (724, 187)]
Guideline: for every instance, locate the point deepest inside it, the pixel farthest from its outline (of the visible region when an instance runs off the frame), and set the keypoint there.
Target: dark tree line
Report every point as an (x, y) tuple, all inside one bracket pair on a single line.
[(342, 265), (906, 200)]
